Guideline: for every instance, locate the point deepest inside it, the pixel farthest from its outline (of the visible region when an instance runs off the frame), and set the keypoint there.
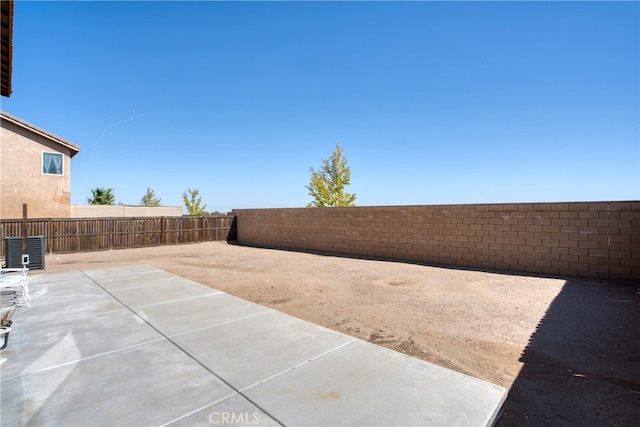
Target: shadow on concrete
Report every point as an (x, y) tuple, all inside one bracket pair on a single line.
[(582, 364)]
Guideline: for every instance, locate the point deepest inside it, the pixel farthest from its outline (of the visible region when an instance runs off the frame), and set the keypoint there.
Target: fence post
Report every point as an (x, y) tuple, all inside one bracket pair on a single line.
[(24, 230), (49, 235), (110, 232)]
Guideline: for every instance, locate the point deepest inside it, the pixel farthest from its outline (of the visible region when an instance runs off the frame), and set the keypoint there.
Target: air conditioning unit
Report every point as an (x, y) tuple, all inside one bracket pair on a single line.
[(35, 250)]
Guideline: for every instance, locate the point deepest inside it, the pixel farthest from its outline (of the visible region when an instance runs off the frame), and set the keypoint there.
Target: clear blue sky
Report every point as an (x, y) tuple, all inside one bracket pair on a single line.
[(432, 102)]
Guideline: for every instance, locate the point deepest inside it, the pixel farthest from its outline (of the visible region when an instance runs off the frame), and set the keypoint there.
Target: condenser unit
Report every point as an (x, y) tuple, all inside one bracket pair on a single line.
[(35, 250)]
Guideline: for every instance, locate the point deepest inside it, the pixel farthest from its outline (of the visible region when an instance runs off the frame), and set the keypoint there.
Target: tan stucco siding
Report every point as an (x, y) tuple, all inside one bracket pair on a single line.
[(21, 177)]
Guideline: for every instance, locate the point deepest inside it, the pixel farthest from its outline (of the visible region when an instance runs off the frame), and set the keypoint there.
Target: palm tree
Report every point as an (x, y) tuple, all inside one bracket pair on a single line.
[(102, 196)]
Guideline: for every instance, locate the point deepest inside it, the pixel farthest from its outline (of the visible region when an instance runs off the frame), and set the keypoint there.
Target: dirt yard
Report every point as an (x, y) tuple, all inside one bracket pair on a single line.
[(568, 350)]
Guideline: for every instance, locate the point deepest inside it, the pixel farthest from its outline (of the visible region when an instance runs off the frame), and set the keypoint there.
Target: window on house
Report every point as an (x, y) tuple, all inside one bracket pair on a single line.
[(52, 163)]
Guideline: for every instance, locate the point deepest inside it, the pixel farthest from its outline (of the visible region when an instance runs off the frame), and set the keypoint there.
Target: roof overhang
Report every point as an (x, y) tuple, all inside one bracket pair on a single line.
[(6, 47), (73, 149)]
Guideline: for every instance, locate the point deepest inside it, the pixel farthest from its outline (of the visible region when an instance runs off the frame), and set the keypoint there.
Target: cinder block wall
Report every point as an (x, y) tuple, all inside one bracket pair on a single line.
[(599, 240)]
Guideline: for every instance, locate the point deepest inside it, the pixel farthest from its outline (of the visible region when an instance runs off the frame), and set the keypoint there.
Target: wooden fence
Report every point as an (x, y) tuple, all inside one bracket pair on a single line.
[(97, 234)]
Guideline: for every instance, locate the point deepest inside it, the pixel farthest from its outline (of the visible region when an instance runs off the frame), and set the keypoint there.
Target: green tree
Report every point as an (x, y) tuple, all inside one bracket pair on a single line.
[(102, 196), (192, 202), (150, 199), (327, 184)]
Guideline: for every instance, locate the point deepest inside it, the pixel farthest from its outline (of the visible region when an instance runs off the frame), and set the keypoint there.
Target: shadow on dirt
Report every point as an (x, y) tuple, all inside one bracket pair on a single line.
[(582, 365)]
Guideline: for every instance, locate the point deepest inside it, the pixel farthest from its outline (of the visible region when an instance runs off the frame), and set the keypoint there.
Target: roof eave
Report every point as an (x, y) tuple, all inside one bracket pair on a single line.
[(73, 149), (6, 46)]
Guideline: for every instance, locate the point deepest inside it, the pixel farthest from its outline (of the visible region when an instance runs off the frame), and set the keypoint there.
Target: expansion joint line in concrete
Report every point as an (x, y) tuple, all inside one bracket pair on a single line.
[(311, 359), (82, 359), (202, 408), (239, 319), (66, 319), (181, 299)]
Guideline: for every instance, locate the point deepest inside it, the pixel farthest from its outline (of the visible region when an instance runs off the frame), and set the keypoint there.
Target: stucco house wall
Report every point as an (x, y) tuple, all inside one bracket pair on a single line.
[(21, 171)]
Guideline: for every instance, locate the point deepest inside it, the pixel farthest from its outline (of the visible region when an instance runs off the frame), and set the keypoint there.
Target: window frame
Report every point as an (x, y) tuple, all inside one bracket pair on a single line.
[(61, 163)]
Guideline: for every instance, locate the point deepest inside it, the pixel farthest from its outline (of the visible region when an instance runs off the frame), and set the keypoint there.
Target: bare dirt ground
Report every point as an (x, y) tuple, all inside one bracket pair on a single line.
[(567, 350)]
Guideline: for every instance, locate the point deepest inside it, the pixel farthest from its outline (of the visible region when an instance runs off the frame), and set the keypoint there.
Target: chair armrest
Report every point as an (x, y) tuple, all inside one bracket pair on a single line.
[(24, 271)]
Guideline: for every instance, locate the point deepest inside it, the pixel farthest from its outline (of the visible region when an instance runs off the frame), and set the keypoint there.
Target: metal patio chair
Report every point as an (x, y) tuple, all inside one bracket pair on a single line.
[(14, 287)]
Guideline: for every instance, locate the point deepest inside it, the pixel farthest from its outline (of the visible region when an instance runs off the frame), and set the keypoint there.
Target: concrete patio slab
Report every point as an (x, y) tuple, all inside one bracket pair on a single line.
[(161, 292), (146, 287), (63, 296), (232, 411), (139, 346), (253, 349), (71, 339), (197, 313), (362, 384), (134, 280), (149, 384)]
